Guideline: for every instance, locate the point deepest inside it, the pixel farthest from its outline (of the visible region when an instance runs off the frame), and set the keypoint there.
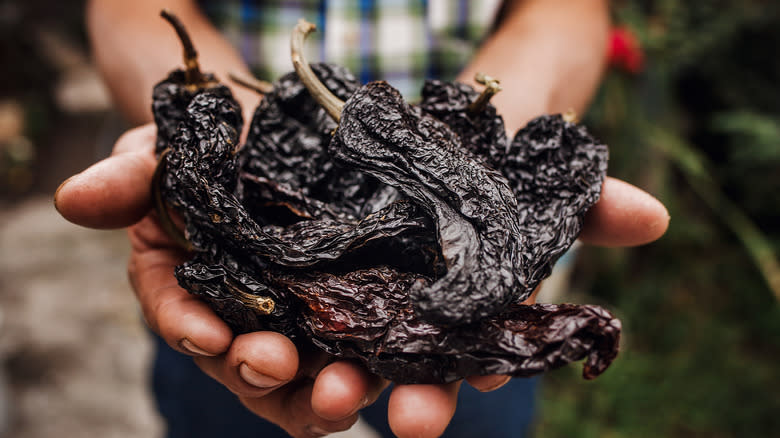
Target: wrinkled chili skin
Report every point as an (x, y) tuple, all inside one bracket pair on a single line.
[(556, 170), (554, 167), (483, 133), (474, 209), (201, 179), (349, 316), (288, 140), (219, 278), (170, 99), (200, 165), (385, 272), (366, 315)]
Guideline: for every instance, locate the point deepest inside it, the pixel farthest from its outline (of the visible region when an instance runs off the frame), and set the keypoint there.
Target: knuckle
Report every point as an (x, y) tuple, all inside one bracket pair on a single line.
[(132, 139), (132, 273), (165, 315), (244, 390)]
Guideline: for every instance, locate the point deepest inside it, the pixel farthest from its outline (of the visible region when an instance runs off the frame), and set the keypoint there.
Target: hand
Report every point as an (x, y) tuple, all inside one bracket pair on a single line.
[(296, 391)]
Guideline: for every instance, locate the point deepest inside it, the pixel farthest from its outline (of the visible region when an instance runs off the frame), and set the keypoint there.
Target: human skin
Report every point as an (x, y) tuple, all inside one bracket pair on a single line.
[(549, 57)]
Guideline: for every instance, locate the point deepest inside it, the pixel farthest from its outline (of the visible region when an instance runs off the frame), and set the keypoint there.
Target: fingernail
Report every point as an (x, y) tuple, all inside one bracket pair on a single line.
[(57, 192), (316, 431), (254, 378), (193, 349), (362, 404)]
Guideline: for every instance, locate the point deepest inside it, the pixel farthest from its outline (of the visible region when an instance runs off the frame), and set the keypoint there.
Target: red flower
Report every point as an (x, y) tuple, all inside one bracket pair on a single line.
[(624, 51)]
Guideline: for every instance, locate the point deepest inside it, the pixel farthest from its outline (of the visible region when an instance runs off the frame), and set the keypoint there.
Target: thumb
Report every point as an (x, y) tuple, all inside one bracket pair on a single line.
[(624, 216), (114, 192)]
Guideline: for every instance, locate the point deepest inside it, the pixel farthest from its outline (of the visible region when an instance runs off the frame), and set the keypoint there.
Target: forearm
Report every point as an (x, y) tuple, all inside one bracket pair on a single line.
[(134, 49), (548, 55)]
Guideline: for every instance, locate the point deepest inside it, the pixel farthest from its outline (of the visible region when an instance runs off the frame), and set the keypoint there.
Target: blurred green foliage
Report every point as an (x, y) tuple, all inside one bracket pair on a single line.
[(698, 127)]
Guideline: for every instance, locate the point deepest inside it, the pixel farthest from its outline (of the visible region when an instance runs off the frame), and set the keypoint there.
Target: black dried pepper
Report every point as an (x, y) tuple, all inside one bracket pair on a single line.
[(403, 236), (474, 210), (171, 96)]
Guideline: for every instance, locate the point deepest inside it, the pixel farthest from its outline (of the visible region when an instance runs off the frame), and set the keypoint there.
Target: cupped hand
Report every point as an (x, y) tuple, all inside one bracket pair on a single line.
[(299, 391)]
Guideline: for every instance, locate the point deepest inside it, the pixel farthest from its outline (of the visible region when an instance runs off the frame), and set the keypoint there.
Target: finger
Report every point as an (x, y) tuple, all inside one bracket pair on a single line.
[(185, 322), (488, 383), (624, 216), (290, 408), (256, 364), (114, 192), (343, 388), (422, 411)]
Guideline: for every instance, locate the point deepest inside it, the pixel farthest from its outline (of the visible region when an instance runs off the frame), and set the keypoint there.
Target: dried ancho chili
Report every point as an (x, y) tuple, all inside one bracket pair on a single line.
[(405, 236)]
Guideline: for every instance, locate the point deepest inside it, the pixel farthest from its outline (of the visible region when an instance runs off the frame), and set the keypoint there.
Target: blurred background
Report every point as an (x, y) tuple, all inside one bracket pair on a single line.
[(690, 108)]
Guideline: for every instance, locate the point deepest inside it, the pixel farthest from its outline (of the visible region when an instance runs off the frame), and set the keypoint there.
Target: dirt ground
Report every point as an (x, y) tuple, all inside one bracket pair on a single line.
[(72, 343)]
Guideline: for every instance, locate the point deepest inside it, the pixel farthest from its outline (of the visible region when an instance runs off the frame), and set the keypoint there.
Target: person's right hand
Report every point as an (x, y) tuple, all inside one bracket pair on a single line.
[(293, 389), (257, 366), (300, 393)]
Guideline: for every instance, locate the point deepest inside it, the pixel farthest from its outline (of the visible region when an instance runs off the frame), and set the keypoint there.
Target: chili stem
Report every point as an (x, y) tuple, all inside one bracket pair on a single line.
[(192, 68), (254, 84), (492, 87), (332, 104)]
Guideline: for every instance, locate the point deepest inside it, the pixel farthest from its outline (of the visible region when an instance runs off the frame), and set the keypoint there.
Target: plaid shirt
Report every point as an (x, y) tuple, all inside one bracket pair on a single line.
[(400, 41)]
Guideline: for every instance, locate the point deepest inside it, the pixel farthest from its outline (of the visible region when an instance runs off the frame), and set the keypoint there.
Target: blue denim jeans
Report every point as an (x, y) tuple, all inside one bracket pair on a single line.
[(194, 406)]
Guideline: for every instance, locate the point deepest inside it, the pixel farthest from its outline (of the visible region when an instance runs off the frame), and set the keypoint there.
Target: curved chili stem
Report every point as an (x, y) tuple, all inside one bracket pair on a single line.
[(251, 82), (260, 304), (332, 104), (570, 116), (492, 87), (192, 72)]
